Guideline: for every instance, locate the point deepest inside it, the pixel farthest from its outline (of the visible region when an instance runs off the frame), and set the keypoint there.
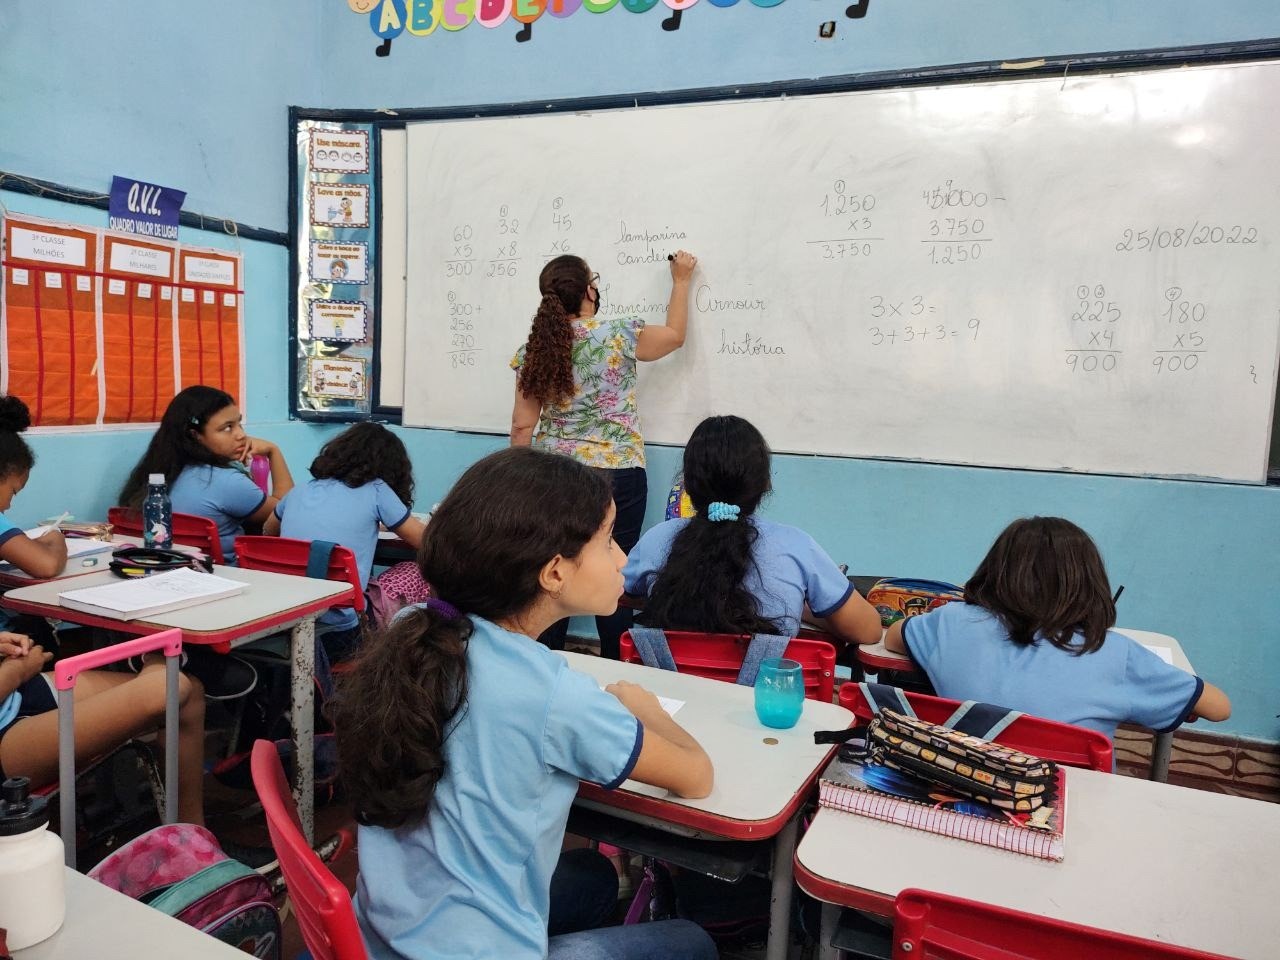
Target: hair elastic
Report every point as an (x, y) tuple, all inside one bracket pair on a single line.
[(444, 608), (718, 511)]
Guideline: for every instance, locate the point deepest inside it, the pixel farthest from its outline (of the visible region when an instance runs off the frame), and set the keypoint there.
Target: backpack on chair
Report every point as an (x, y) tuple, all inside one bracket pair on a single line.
[(394, 589)]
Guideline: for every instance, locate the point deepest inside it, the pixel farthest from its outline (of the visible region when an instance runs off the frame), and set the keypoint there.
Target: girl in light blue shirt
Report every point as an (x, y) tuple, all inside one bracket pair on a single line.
[(461, 739)]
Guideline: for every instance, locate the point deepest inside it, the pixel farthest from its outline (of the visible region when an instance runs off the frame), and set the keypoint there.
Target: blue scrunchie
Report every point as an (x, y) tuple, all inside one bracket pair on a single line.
[(722, 511)]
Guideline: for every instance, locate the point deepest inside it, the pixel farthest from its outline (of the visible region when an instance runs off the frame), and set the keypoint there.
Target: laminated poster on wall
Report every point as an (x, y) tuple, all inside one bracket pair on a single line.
[(334, 262), (339, 204), (338, 321), (338, 378), (339, 151)]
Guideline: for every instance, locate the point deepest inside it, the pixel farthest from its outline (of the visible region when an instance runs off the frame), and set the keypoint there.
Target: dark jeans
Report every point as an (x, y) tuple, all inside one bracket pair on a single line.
[(630, 490), (584, 892)]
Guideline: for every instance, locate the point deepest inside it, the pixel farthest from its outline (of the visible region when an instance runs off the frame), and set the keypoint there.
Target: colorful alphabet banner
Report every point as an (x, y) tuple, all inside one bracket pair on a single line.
[(102, 327)]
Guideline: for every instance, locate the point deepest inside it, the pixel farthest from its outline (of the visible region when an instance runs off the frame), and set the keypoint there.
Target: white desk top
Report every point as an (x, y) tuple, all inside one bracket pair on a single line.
[(754, 780), (105, 925), (268, 595), (1145, 637), (1152, 860)]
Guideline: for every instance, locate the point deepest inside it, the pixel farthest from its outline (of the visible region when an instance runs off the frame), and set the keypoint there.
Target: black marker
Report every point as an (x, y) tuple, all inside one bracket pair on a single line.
[(1118, 592)]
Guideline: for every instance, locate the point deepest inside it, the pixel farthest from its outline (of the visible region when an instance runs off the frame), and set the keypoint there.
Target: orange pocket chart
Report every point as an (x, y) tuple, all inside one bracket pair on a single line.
[(100, 327)]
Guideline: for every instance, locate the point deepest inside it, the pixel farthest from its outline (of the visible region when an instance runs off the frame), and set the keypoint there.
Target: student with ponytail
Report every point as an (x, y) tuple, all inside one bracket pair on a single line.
[(461, 739), (575, 386), (727, 570)]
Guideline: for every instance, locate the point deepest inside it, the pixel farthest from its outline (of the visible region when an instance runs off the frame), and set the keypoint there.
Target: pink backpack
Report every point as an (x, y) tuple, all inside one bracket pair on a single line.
[(180, 870), (395, 588)]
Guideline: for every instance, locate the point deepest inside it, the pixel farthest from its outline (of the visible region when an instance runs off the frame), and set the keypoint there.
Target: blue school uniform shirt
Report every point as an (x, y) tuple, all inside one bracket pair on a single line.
[(790, 569), (967, 654), (348, 516), (473, 878), (223, 494), (8, 530)]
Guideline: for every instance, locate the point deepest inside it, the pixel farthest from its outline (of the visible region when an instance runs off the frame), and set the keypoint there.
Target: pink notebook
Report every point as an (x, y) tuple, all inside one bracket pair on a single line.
[(880, 792)]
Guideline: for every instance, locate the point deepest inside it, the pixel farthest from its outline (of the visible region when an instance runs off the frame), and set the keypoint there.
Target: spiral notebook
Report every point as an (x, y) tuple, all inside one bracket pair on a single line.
[(883, 793)]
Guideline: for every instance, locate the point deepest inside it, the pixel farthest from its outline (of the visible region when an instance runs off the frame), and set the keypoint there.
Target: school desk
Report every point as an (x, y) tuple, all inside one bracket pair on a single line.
[(875, 657), (1189, 867), (103, 924), (273, 602), (762, 776)]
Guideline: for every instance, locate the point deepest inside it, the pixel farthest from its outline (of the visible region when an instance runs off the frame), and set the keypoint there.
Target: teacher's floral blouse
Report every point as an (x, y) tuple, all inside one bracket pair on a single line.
[(599, 425)]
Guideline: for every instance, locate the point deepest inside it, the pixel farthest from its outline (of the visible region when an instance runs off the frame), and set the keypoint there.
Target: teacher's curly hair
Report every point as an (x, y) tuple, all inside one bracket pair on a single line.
[(547, 372)]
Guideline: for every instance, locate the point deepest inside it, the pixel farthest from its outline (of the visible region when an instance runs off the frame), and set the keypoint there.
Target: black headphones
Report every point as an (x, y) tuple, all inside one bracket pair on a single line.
[(134, 562)]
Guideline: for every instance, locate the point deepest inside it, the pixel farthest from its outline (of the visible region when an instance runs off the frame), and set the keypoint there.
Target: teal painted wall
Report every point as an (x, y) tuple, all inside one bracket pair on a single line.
[(146, 89)]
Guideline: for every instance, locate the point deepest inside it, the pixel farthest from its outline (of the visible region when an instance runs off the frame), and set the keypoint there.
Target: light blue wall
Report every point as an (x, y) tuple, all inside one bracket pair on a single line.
[(147, 89)]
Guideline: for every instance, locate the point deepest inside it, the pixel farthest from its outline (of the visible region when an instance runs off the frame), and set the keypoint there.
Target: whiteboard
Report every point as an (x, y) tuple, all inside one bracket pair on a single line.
[(1050, 274)]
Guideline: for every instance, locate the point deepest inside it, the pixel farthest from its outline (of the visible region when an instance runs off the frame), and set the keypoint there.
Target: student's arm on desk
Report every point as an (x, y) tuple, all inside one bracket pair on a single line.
[(411, 531), (893, 639), (669, 758), (42, 558), (1212, 705), (855, 620)]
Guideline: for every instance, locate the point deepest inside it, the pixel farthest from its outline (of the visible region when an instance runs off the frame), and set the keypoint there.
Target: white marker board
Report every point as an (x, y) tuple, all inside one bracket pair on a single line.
[(1061, 275)]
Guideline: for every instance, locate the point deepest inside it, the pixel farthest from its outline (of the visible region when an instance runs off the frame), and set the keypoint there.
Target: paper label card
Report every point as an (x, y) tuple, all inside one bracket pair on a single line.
[(209, 270), (188, 295), (333, 262), (131, 258), (53, 281), (207, 296), (144, 291), (339, 151), (228, 299), (48, 246), (84, 284), (338, 378), (166, 293), (21, 277), (340, 204), (115, 287), (345, 321)]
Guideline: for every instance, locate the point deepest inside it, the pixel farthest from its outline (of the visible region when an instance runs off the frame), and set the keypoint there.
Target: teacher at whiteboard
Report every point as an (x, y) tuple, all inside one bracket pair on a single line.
[(576, 394)]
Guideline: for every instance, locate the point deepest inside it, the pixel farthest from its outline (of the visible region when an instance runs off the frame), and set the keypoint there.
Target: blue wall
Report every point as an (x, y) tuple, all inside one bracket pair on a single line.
[(140, 88)]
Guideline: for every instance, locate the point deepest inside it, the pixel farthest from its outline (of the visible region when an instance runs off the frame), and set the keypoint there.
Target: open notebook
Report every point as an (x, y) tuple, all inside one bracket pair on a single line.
[(148, 596)]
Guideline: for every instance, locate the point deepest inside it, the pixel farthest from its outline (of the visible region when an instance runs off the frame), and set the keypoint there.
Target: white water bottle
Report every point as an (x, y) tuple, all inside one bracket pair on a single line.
[(31, 867)]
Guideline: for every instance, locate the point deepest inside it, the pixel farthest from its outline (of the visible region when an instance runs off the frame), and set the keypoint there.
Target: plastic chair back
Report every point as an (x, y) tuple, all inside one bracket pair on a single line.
[(718, 656), (932, 926), (189, 530), (326, 917), (289, 556), (1062, 743)]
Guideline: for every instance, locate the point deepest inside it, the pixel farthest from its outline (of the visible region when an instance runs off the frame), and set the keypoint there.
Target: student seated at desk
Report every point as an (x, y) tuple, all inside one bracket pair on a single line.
[(110, 707), (361, 478), (203, 452), (726, 570), (461, 739), (1034, 634)]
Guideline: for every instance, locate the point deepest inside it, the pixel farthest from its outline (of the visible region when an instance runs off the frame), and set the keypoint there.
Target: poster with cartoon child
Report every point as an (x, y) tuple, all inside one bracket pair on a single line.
[(339, 204), (334, 262)]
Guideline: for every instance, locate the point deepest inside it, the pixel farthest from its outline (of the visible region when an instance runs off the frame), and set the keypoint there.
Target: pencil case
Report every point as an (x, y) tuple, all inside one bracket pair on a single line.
[(896, 598)]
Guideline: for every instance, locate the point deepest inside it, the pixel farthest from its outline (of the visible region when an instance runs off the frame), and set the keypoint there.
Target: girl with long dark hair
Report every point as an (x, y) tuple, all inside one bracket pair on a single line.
[(576, 383), (202, 450), (728, 570), (461, 739), (1034, 634)]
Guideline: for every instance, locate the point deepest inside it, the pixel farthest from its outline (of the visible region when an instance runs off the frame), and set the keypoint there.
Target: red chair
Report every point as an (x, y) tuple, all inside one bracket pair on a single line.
[(189, 530), (934, 926), (718, 656), (289, 556), (323, 905), (1062, 743)]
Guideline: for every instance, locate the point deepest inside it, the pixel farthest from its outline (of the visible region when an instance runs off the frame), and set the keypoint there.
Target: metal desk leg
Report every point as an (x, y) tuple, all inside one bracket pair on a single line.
[(784, 849), (1160, 750), (302, 719), (830, 919)]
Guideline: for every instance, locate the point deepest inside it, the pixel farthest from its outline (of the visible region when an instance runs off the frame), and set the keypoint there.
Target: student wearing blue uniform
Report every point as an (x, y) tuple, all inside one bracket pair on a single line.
[(1034, 634), (461, 739), (361, 478), (203, 452), (110, 707), (727, 570)]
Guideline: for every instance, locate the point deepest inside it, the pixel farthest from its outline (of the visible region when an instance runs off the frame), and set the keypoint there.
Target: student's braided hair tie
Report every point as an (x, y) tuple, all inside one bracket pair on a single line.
[(718, 511)]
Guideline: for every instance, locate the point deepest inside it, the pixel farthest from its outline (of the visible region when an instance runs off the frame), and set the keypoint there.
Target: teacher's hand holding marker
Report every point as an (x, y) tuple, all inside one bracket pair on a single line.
[(576, 392)]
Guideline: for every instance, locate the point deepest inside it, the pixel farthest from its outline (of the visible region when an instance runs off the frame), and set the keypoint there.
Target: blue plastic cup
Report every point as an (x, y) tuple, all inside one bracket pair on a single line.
[(779, 693)]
